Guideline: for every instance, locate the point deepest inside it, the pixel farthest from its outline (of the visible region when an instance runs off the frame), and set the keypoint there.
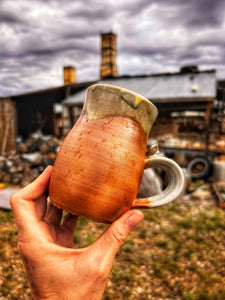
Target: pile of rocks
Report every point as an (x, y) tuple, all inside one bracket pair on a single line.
[(32, 157)]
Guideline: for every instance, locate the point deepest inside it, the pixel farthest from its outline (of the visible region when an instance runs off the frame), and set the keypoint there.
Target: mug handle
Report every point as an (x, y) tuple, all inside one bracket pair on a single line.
[(174, 188)]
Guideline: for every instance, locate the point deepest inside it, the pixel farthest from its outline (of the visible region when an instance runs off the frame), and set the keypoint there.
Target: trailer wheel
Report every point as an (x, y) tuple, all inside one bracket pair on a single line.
[(199, 168)]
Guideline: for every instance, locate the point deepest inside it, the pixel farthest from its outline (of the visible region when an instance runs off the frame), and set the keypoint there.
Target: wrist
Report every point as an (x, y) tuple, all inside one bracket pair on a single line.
[(76, 296), (36, 296), (53, 297)]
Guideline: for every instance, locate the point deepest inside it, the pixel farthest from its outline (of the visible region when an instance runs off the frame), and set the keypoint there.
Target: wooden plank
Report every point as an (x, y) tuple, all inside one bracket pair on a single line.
[(208, 113), (7, 126)]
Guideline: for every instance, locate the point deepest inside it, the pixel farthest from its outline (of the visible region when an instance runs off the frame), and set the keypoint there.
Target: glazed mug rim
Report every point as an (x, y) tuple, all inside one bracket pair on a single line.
[(138, 96), (136, 106)]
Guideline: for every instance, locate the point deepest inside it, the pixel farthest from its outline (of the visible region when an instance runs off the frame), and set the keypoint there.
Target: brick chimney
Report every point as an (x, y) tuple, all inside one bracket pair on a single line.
[(69, 75), (108, 65)]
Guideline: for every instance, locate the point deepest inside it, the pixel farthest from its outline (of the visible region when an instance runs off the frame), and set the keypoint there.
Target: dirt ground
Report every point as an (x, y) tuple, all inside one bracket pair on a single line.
[(177, 252)]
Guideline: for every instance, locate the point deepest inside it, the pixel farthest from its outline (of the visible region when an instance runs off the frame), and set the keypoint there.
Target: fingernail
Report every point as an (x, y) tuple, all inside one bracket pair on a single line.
[(134, 219)]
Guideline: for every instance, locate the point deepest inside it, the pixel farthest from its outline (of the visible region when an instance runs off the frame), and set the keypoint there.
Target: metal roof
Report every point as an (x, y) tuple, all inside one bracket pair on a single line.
[(187, 87)]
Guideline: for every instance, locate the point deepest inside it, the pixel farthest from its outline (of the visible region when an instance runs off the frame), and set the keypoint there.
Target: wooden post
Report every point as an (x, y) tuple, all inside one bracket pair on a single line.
[(6, 133), (207, 122), (208, 113), (7, 124)]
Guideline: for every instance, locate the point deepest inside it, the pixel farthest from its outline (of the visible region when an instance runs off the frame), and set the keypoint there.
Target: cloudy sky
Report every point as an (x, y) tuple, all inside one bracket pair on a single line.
[(39, 37)]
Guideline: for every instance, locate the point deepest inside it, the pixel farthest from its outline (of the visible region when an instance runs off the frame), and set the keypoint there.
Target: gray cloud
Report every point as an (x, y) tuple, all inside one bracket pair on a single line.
[(200, 13), (6, 17), (207, 13), (39, 37)]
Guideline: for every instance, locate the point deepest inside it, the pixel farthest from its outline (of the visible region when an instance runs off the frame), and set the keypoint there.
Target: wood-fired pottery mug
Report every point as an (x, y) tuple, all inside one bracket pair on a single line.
[(100, 164)]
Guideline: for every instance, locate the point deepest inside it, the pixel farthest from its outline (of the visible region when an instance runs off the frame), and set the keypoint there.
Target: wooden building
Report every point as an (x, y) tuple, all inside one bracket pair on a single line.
[(55, 110), (171, 93)]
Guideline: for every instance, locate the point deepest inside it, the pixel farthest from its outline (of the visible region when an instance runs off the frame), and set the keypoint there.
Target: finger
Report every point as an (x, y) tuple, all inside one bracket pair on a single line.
[(112, 239), (23, 202), (70, 222), (38, 187), (53, 214), (41, 206)]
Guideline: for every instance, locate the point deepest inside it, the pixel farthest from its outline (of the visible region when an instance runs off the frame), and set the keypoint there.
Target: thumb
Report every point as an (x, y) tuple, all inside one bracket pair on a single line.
[(113, 238), (38, 187)]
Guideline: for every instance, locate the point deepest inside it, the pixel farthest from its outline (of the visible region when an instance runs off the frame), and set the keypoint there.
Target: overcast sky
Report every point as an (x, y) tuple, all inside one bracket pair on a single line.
[(39, 37)]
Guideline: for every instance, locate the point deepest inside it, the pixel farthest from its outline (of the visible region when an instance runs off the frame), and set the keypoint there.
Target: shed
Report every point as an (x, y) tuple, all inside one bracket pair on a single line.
[(176, 92)]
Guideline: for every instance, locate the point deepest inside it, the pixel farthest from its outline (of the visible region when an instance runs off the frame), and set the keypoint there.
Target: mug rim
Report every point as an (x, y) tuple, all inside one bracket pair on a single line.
[(137, 96)]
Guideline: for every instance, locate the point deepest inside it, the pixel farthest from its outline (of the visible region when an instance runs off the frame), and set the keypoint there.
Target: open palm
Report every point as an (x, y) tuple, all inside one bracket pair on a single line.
[(56, 270)]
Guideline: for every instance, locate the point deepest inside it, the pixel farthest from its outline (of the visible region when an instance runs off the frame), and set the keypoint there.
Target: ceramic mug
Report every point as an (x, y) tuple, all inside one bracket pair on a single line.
[(100, 164)]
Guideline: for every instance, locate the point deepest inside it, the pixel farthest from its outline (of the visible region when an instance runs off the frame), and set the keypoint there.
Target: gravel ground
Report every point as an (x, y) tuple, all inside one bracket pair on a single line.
[(177, 252)]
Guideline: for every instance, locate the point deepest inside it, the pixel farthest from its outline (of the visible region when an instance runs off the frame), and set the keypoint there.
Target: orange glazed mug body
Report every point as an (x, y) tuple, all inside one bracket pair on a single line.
[(100, 164)]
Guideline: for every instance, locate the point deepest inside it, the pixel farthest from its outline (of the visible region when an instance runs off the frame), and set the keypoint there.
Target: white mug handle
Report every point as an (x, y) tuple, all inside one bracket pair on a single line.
[(175, 185)]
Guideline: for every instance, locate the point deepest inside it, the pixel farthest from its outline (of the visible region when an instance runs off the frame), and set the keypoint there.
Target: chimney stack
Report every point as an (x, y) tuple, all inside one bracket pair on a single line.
[(69, 75), (108, 65)]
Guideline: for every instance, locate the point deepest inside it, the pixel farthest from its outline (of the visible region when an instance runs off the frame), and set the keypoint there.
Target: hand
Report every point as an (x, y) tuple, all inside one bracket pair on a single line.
[(56, 270)]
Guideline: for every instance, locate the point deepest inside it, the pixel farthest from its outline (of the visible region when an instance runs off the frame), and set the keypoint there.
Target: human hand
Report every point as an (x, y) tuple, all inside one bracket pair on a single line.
[(56, 270)]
